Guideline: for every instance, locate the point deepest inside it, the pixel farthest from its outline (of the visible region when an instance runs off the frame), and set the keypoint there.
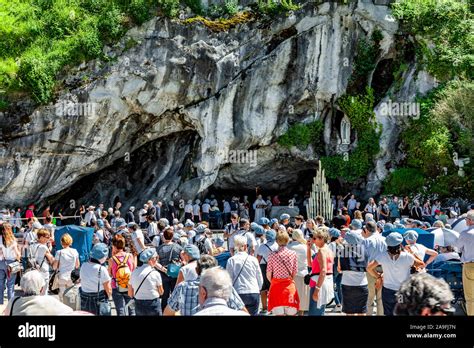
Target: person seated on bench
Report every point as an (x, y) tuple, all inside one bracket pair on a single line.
[(446, 253)]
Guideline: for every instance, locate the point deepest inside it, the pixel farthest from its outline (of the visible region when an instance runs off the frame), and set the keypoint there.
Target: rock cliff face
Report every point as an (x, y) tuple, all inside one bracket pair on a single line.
[(163, 118)]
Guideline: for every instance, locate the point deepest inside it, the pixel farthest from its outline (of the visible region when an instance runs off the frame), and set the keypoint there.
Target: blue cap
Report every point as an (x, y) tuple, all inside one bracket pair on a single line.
[(417, 223), (272, 221), (427, 224), (388, 227), (99, 251), (253, 225), (380, 224), (219, 242), (201, 228), (259, 231), (270, 235), (334, 232), (284, 217), (147, 254), (192, 251), (263, 221), (410, 235), (403, 221), (356, 224), (399, 226), (189, 223), (352, 237), (100, 223), (394, 239), (131, 224)]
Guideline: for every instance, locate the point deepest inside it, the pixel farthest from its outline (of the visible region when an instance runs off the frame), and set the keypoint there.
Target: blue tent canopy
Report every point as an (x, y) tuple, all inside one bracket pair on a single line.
[(81, 237), (425, 238)]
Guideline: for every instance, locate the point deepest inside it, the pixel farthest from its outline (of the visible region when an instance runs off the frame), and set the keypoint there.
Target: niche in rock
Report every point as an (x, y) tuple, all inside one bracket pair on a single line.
[(382, 78)]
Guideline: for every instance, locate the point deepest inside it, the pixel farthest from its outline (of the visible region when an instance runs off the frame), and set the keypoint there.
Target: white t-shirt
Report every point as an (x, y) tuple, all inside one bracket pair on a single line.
[(300, 250), (67, 262), (90, 216), (149, 288), (90, 277), (152, 229), (395, 272), (100, 234), (205, 208), (419, 250), (189, 271), (30, 237), (156, 241), (352, 278), (188, 208), (208, 245), (264, 251), (39, 252), (141, 218), (447, 256), (351, 204), (191, 234), (50, 228), (138, 235), (7, 253), (196, 209)]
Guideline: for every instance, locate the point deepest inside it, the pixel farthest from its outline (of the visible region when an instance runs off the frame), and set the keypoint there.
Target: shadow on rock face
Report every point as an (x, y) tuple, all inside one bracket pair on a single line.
[(154, 170)]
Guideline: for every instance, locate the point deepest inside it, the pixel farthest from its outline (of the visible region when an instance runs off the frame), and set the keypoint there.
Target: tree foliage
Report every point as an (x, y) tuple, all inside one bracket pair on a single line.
[(444, 34)]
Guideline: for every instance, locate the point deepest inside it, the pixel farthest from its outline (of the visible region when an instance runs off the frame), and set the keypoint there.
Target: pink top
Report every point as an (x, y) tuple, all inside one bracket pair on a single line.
[(114, 266), (315, 267), (281, 262)]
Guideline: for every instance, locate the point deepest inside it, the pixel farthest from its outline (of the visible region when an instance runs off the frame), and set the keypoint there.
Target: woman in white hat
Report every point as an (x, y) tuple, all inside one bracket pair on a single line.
[(396, 265), (416, 249), (146, 285)]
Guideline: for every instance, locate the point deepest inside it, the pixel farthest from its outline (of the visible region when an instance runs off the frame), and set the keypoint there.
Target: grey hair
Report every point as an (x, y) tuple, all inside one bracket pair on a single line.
[(32, 282), (420, 291), (217, 283), (205, 262), (240, 242), (371, 226), (368, 216)]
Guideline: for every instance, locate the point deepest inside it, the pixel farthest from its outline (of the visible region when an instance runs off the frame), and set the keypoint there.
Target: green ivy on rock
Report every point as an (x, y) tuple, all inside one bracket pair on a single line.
[(360, 111), (302, 135)]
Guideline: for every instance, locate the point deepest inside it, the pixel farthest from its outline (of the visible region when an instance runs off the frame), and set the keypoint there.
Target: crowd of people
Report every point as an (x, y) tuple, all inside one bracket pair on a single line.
[(148, 264)]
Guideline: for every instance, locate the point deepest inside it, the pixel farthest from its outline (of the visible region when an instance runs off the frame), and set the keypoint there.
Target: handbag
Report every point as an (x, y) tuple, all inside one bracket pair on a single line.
[(307, 277), (172, 270), (54, 279), (14, 268), (103, 307)]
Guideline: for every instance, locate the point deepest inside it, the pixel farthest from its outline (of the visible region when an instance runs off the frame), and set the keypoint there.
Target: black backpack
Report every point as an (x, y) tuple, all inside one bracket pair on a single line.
[(202, 246)]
